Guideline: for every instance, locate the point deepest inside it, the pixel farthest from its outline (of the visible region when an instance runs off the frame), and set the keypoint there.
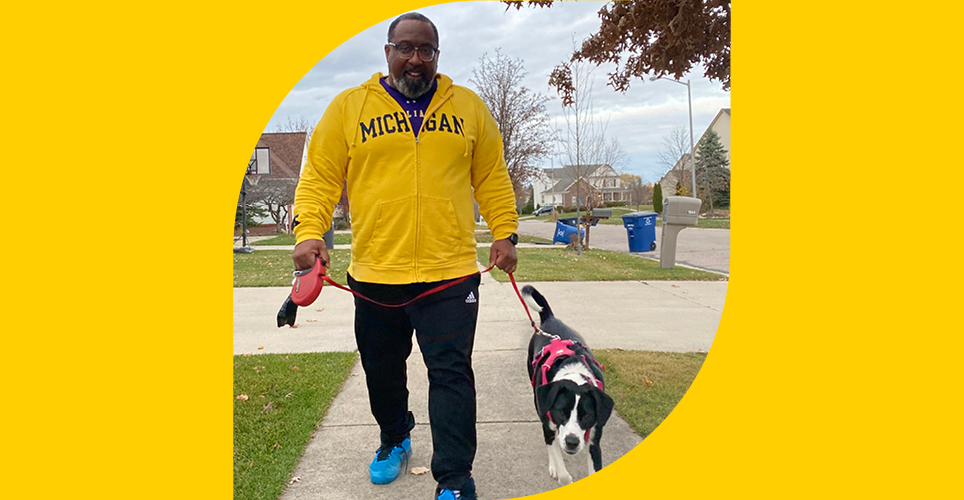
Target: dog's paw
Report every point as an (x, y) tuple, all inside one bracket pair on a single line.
[(559, 475)]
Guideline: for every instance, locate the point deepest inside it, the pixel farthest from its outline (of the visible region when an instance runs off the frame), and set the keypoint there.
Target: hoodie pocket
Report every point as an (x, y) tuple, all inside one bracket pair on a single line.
[(440, 234), (390, 240)]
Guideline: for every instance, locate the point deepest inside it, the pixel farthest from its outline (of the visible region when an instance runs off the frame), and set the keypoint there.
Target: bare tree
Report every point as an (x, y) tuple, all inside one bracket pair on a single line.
[(675, 155), (584, 143), (300, 124), (277, 196), (676, 145), (640, 194), (519, 112)]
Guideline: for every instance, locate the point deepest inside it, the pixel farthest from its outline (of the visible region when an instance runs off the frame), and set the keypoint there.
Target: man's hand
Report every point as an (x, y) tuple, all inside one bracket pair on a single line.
[(502, 255), (306, 252)]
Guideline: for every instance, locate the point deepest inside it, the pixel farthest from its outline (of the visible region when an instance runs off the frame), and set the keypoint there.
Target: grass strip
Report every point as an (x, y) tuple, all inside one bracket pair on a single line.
[(556, 264), (274, 267), (285, 396), (289, 239), (486, 237), (647, 385)]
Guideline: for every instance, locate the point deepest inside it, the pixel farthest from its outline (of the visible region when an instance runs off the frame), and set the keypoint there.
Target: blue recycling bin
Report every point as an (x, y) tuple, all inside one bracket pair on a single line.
[(571, 221), (562, 233), (641, 231)]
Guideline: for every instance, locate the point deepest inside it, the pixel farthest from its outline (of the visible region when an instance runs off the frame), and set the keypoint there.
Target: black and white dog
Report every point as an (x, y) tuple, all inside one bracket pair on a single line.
[(568, 385)]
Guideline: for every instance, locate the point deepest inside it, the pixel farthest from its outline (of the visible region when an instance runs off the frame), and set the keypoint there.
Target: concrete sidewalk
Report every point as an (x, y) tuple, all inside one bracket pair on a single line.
[(511, 460)]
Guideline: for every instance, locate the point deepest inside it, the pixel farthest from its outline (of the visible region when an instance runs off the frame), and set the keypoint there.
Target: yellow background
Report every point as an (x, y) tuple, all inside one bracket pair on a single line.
[(834, 370)]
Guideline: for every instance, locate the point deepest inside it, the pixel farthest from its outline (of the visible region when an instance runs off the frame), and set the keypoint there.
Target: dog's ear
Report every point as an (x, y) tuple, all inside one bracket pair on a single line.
[(546, 394), (604, 406)]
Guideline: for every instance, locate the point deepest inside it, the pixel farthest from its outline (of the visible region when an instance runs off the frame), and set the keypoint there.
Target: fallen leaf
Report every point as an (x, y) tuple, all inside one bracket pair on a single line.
[(275, 446), (262, 347), (295, 368), (251, 464), (242, 397), (320, 309), (289, 394), (701, 351), (294, 480), (259, 368), (418, 471), (649, 383), (294, 325), (269, 406), (675, 286), (246, 354), (311, 320)]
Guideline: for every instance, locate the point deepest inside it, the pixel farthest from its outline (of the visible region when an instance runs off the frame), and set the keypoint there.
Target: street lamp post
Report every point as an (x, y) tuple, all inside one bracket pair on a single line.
[(689, 99)]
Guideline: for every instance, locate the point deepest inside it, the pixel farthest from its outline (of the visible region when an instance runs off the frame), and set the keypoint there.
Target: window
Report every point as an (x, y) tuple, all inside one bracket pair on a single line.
[(260, 162)]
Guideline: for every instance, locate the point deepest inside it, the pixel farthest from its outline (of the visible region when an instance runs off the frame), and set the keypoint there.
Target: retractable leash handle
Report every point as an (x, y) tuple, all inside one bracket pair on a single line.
[(307, 284)]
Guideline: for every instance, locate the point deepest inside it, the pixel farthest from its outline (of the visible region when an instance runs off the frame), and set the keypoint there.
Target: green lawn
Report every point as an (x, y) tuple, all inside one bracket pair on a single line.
[(486, 237), (647, 385), (289, 239), (714, 223), (274, 267), (279, 400), (558, 264), (617, 220)]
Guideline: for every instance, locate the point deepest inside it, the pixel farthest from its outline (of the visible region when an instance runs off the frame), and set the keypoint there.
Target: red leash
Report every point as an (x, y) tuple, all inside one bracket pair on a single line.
[(426, 293), (519, 294), (308, 284)]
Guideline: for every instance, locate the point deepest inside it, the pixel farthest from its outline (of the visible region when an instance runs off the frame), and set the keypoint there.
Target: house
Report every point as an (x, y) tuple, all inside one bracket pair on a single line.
[(720, 125), (599, 184), (271, 183)]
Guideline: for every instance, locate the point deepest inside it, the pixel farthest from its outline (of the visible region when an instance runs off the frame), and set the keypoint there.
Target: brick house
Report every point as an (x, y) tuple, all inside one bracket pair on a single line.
[(598, 184), (275, 182)]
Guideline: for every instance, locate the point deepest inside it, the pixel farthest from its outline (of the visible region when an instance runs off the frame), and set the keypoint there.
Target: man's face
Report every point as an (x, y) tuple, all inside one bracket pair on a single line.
[(412, 76)]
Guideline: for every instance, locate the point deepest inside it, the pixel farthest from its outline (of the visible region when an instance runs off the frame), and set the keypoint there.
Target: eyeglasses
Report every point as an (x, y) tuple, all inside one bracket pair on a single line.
[(425, 52)]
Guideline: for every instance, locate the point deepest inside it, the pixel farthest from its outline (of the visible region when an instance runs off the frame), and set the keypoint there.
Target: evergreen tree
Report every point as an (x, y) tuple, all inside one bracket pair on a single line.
[(712, 172), (529, 208), (657, 198)]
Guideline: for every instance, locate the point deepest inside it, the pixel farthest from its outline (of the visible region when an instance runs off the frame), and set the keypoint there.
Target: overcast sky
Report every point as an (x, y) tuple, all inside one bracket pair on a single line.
[(640, 119)]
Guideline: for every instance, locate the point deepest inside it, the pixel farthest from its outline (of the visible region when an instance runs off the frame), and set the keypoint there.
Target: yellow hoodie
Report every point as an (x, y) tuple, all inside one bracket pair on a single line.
[(412, 214)]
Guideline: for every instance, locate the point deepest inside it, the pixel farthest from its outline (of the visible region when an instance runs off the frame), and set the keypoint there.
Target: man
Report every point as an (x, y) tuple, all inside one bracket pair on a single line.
[(414, 149)]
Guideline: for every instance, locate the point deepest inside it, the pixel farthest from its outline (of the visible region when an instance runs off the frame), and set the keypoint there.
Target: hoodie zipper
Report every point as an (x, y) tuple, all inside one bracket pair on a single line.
[(418, 178), (418, 162)]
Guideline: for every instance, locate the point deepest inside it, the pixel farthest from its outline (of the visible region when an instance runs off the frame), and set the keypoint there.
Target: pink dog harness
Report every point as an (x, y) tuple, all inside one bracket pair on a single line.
[(559, 348)]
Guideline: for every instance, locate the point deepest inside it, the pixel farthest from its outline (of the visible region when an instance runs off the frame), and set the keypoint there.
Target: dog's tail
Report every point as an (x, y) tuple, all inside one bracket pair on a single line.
[(537, 302)]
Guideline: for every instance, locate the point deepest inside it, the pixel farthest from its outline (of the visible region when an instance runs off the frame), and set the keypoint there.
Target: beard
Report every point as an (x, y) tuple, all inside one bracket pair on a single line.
[(412, 88)]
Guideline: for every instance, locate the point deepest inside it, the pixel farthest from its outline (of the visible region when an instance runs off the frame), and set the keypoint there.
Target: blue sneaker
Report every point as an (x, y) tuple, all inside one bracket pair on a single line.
[(450, 495), (389, 461), (466, 493)]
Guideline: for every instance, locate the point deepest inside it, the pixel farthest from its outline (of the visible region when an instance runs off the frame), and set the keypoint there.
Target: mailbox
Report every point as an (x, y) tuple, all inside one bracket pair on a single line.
[(681, 210), (602, 213)]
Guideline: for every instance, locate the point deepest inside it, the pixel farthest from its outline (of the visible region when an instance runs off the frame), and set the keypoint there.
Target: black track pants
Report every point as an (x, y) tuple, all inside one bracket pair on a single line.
[(444, 325)]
